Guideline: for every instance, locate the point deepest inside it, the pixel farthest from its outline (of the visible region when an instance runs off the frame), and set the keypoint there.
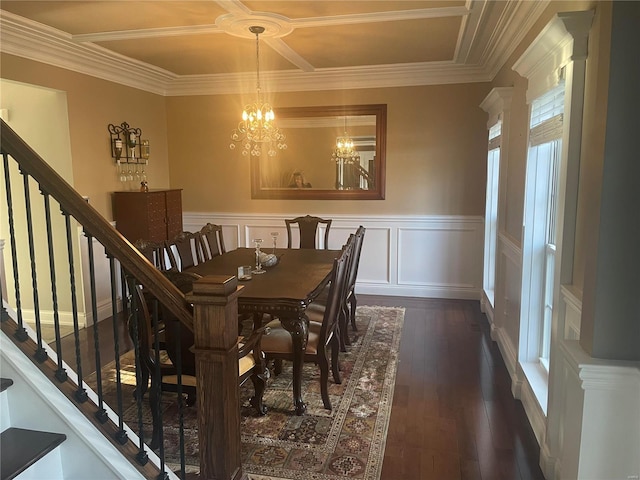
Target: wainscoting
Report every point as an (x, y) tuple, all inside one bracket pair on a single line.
[(586, 416), (594, 407), (413, 256), (434, 256)]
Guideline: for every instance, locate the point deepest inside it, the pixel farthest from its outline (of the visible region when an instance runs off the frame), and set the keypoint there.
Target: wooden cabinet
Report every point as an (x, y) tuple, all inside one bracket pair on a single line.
[(155, 215)]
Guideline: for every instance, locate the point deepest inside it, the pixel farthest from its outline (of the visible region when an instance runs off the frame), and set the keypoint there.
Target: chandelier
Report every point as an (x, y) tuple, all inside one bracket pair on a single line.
[(258, 127), (345, 151)]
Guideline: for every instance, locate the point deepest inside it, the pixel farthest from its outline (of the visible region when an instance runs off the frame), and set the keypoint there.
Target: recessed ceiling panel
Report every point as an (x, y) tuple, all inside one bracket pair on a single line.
[(200, 54), (92, 17), (425, 40), (410, 40), (323, 8)]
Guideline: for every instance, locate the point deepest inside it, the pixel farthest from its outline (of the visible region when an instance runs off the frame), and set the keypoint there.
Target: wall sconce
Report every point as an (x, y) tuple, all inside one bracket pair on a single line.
[(130, 152)]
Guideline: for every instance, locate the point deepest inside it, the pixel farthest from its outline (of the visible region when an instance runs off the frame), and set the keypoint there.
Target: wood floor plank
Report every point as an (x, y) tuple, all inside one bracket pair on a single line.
[(454, 416)]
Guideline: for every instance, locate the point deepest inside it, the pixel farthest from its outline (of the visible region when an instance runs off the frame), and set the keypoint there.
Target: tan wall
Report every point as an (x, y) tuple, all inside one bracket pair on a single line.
[(436, 144), (92, 105), (436, 152)]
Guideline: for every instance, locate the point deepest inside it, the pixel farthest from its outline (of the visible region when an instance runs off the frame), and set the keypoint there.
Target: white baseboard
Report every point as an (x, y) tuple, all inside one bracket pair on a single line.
[(103, 308), (536, 416), (508, 352), (422, 291), (550, 466)]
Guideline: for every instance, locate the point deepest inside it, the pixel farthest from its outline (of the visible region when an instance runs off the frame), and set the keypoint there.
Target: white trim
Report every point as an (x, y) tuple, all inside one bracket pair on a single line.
[(602, 416), (487, 308), (542, 60), (103, 306), (449, 246), (529, 396), (510, 359), (510, 248), (35, 41), (570, 313), (422, 291), (496, 102), (538, 381)]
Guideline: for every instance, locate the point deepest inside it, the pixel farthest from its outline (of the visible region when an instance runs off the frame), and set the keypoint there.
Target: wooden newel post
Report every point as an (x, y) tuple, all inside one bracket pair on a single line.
[(215, 331)]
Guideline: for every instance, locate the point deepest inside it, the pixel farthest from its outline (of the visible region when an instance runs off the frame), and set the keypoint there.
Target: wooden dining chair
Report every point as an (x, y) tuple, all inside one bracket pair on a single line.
[(212, 241), (181, 359), (323, 333), (155, 252), (308, 228), (350, 299), (185, 250)]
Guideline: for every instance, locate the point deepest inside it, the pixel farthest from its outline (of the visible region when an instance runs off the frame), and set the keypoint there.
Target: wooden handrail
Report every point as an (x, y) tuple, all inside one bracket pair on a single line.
[(95, 224), (365, 174)]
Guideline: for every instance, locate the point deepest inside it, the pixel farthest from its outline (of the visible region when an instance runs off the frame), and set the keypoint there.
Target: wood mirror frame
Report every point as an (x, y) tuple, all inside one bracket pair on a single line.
[(286, 115)]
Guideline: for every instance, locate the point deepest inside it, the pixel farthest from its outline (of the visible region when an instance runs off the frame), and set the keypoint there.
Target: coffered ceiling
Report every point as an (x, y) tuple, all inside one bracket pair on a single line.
[(205, 47)]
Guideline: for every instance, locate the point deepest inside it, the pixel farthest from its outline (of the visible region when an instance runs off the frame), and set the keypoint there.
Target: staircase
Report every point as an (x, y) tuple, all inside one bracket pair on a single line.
[(44, 436), (80, 436)]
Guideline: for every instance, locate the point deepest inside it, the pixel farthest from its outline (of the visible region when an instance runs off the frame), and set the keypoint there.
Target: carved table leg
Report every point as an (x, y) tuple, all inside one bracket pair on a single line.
[(299, 330)]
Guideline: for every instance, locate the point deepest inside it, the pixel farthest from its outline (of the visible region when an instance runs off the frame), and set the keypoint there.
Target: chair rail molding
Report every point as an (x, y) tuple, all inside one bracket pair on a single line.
[(436, 256)]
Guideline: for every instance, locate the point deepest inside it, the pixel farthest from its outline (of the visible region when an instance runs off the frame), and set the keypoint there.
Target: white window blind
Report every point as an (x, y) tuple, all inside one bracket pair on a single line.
[(547, 116), (495, 133)]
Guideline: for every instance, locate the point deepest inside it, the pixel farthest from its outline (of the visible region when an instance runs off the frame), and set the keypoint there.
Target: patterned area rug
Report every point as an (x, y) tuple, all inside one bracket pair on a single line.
[(344, 443)]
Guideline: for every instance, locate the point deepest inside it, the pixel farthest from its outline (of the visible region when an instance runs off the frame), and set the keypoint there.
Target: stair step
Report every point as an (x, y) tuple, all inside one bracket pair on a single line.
[(21, 448), (5, 383)]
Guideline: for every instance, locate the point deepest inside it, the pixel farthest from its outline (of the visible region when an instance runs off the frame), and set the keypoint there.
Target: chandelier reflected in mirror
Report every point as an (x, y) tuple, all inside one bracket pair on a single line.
[(257, 127), (345, 151)]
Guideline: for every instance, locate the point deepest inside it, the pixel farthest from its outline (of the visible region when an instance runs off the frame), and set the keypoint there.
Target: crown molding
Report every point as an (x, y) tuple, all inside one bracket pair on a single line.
[(41, 43), (515, 22), (381, 76), (32, 40)]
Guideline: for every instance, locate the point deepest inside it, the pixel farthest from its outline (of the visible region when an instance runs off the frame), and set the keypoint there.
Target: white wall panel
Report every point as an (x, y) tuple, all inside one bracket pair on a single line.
[(375, 258), (434, 256)]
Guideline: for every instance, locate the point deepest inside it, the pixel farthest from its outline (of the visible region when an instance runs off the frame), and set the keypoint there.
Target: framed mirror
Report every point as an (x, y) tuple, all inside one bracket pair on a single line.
[(312, 167)]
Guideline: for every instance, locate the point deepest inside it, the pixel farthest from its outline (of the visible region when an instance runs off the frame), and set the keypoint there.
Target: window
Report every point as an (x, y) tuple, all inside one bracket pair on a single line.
[(555, 57), (491, 212), (541, 191)]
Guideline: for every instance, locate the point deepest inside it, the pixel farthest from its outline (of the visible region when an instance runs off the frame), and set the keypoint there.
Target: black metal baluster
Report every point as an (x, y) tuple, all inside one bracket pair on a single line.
[(21, 333), (41, 354), (61, 373), (101, 413), (156, 345), (181, 403), (134, 317), (81, 393), (121, 434)]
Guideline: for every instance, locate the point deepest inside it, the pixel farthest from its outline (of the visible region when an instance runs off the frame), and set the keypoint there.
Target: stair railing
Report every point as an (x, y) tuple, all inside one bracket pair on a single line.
[(366, 175), (36, 245)]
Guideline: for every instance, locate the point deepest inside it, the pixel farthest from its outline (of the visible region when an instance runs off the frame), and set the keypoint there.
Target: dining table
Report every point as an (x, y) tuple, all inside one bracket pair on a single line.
[(284, 290)]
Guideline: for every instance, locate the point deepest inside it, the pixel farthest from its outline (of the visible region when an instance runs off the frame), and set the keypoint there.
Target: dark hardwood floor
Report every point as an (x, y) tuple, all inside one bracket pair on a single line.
[(453, 415), (87, 342)]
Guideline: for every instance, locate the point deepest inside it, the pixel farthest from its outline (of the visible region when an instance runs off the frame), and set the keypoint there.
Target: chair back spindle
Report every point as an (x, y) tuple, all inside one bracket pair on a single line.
[(212, 241), (185, 251)]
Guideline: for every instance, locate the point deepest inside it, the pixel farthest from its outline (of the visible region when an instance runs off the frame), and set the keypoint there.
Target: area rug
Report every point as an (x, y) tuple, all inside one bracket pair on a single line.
[(344, 443)]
